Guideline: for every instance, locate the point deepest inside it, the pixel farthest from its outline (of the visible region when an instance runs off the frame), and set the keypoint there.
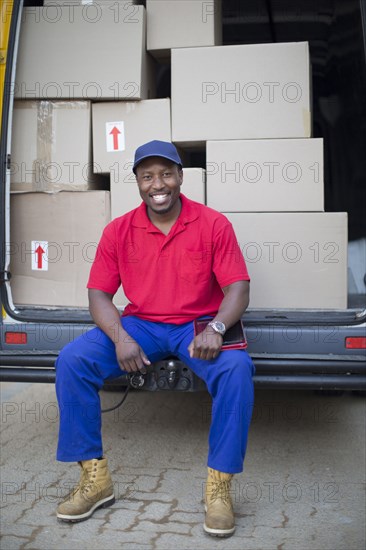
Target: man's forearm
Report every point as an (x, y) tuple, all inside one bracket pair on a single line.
[(130, 356), (106, 316), (234, 303)]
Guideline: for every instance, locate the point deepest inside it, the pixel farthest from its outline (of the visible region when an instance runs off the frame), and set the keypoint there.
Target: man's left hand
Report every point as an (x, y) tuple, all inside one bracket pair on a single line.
[(206, 345)]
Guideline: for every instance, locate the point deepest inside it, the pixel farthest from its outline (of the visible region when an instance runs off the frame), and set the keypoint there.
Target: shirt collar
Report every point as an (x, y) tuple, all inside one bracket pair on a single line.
[(188, 213)]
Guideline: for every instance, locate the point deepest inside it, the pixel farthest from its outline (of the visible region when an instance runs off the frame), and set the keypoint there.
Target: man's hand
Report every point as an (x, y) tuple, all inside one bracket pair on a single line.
[(130, 357), (206, 345)]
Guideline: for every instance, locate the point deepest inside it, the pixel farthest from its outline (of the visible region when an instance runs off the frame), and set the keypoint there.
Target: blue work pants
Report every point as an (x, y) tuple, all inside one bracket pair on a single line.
[(84, 364)]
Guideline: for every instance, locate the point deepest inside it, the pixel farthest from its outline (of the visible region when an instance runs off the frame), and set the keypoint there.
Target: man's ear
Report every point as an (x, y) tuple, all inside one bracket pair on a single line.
[(180, 174)]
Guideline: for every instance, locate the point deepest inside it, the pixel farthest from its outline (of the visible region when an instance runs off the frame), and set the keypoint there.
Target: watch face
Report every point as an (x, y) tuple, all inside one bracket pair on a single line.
[(218, 327)]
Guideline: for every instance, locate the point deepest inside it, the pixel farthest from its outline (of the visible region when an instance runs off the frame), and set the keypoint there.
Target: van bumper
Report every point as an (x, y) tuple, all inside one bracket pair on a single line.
[(337, 373)]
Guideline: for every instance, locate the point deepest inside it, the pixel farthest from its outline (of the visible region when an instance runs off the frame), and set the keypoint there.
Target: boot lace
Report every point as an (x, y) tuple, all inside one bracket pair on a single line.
[(220, 490), (87, 483)]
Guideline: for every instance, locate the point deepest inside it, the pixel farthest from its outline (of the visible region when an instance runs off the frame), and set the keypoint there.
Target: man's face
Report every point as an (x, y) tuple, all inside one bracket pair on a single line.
[(159, 182)]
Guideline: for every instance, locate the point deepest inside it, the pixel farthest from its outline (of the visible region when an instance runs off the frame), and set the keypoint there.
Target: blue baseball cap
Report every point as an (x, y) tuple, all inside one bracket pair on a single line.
[(156, 148)]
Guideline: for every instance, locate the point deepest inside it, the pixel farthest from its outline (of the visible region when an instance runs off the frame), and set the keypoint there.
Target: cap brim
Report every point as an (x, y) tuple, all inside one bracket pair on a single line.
[(154, 155)]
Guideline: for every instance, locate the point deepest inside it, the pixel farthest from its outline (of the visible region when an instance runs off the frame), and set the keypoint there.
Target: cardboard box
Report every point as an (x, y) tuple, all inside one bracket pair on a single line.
[(182, 24), (63, 228), (88, 52), (120, 127), (125, 195), (253, 91), (51, 147), (295, 260), (265, 175), (194, 184)]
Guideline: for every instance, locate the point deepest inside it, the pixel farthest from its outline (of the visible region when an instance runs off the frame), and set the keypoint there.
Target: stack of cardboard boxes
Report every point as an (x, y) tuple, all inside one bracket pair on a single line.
[(251, 105), (85, 99), (71, 53)]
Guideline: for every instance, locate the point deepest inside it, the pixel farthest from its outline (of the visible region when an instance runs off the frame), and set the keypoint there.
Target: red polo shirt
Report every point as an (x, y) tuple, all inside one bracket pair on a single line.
[(172, 278)]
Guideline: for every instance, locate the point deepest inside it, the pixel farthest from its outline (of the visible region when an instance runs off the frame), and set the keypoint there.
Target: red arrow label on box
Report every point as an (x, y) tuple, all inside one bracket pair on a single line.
[(39, 251), (39, 255), (115, 133), (115, 136)]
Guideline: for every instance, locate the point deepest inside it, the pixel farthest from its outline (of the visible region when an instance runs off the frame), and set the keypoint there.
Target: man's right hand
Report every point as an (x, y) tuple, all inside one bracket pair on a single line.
[(130, 357)]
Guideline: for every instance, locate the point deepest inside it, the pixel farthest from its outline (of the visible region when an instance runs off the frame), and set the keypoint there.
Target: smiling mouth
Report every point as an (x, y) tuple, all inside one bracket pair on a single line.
[(159, 198)]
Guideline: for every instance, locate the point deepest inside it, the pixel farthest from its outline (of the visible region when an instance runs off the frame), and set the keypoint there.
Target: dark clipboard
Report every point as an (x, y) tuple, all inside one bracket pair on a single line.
[(234, 337)]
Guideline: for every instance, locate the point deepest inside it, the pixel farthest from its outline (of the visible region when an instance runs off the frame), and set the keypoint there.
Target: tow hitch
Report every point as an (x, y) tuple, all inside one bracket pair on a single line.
[(168, 374)]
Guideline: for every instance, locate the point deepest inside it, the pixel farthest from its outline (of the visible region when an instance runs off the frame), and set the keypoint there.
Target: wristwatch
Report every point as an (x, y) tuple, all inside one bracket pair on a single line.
[(218, 327)]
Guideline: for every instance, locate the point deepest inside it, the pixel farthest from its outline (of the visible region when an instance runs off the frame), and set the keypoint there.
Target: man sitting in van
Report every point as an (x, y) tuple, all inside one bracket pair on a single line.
[(177, 261)]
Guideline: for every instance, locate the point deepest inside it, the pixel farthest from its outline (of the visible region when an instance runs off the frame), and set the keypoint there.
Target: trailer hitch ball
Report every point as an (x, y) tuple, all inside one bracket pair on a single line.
[(170, 377), (173, 376)]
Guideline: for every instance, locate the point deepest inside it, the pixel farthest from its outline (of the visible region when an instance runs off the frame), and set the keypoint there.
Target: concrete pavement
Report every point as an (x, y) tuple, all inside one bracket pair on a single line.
[(303, 485)]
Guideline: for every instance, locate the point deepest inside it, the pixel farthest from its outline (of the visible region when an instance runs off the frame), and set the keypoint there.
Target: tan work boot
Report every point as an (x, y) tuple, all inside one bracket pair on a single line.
[(219, 520), (95, 490)]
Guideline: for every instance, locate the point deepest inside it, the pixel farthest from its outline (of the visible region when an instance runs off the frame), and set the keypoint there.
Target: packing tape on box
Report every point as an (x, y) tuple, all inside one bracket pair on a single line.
[(45, 140), (45, 169), (43, 158)]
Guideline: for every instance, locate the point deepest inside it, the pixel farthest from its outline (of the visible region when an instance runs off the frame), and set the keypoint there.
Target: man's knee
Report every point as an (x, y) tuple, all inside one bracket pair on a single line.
[(67, 353), (240, 363), (69, 358)]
